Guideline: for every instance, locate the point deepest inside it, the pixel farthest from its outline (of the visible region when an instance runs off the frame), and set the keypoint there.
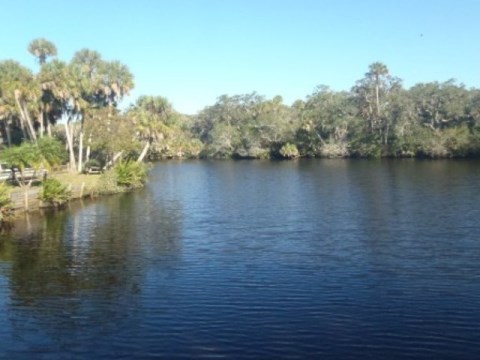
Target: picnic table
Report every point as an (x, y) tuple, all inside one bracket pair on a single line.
[(94, 170)]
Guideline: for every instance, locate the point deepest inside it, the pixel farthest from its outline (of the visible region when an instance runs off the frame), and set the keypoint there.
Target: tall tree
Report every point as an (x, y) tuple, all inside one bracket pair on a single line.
[(373, 93), (328, 117), (55, 82), (85, 68), (151, 115), (99, 84), (19, 92), (42, 49), (117, 81)]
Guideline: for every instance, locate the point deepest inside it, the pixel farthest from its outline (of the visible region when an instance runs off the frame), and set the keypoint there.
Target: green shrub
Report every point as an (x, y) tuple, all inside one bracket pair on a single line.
[(54, 192), (25, 155), (334, 149), (368, 146), (5, 205), (131, 174), (289, 151), (52, 151)]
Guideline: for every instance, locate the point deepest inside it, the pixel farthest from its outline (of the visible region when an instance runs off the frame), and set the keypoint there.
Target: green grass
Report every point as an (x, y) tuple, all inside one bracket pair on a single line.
[(90, 181)]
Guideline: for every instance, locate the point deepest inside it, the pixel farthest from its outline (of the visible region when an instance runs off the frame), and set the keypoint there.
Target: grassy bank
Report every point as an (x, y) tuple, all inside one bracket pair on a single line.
[(61, 187)]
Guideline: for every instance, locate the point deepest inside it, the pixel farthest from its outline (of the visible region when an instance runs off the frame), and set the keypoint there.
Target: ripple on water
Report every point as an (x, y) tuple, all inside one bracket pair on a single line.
[(320, 259)]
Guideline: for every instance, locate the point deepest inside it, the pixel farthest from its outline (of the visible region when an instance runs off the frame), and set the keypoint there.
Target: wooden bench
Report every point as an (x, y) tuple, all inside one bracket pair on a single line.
[(94, 170), (28, 174), (5, 175)]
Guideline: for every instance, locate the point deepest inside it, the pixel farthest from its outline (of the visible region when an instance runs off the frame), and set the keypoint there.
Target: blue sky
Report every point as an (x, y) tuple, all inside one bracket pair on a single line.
[(194, 51)]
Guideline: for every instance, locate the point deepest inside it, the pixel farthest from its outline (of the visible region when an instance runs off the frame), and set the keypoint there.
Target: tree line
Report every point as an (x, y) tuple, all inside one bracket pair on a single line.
[(378, 117), (76, 104)]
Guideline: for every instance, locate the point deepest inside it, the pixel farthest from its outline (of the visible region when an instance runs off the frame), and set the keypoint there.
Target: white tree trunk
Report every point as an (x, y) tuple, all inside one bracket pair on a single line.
[(49, 129), (70, 147), (29, 122), (116, 156), (87, 155), (42, 125), (22, 115), (144, 152), (7, 132), (80, 152), (114, 159)]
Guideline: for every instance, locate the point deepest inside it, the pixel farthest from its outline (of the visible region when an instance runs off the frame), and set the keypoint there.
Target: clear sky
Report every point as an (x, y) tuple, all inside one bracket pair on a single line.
[(192, 51)]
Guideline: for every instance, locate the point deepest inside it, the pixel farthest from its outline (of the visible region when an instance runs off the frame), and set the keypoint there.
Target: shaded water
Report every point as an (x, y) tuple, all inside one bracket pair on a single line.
[(301, 259)]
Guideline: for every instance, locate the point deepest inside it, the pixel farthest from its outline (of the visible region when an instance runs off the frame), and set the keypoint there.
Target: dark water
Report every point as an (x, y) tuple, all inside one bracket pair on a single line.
[(303, 259)]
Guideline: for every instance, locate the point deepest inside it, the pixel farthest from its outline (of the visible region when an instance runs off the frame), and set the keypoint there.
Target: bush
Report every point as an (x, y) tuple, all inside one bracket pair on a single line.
[(289, 151), (367, 146), (54, 192), (334, 149), (125, 175), (5, 205), (52, 151), (22, 156), (131, 174)]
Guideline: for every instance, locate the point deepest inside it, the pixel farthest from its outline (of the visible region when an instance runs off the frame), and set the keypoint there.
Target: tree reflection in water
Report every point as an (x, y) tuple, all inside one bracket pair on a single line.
[(84, 268)]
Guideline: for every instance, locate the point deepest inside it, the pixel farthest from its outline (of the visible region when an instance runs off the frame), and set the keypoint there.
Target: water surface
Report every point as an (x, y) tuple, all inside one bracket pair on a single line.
[(253, 259)]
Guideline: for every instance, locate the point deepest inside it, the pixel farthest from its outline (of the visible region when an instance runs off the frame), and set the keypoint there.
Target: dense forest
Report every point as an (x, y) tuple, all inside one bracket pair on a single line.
[(76, 103)]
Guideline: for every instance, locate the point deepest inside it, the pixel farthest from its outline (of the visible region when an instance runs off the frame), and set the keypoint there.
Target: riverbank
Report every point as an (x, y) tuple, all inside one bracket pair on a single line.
[(26, 199), (61, 187)]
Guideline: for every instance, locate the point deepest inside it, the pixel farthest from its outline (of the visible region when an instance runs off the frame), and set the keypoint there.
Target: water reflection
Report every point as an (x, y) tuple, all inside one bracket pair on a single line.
[(80, 271)]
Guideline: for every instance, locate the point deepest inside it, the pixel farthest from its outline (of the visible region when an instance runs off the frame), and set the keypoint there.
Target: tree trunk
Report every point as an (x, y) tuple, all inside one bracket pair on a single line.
[(70, 147), (22, 116), (7, 132), (377, 101), (22, 108), (29, 122), (89, 142), (116, 156), (80, 151), (49, 128), (387, 132), (87, 155), (42, 125), (144, 152)]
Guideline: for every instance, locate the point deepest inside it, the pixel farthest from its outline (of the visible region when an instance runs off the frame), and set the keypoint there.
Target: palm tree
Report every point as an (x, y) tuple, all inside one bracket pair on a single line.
[(117, 81), (19, 93), (42, 49), (88, 60), (377, 70), (85, 69), (150, 115), (373, 94), (7, 114), (54, 82), (98, 84)]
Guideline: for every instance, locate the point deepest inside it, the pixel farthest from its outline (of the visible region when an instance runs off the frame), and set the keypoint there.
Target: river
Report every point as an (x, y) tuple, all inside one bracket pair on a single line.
[(341, 259)]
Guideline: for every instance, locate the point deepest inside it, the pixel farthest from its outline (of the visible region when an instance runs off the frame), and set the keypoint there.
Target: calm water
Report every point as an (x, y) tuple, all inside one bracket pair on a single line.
[(301, 259)]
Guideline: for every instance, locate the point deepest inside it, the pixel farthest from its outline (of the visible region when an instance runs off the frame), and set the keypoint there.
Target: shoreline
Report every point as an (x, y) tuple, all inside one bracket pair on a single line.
[(27, 200), (84, 186)]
